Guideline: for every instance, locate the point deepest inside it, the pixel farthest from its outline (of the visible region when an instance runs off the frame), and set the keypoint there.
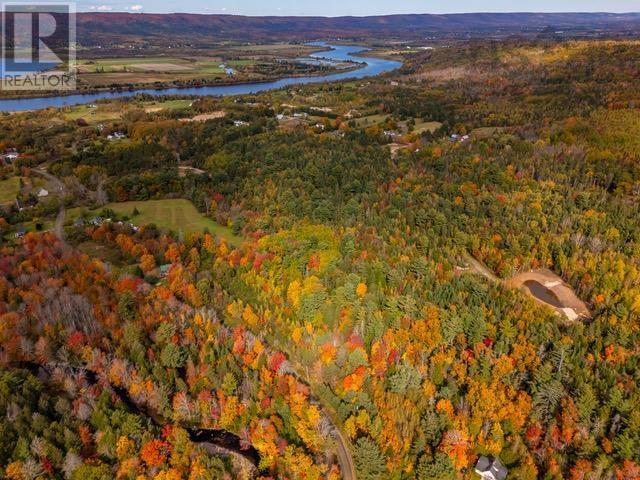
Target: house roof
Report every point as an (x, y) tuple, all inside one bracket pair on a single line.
[(495, 467)]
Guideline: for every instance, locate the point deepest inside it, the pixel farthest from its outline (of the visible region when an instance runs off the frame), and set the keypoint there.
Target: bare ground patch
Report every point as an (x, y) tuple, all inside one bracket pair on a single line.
[(543, 285), (442, 74), (203, 117), (183, 170)]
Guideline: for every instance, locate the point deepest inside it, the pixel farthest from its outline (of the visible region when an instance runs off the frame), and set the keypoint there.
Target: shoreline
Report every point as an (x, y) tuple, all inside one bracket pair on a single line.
[(166, 86), (370, 66)]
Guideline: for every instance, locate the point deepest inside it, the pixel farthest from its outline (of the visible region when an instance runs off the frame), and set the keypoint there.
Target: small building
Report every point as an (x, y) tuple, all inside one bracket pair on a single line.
[(20, 232), (116, 136), (10, 155), (240, 123), (78, 222), (164, 270), (489, 469), (43, 193), (96, 221)]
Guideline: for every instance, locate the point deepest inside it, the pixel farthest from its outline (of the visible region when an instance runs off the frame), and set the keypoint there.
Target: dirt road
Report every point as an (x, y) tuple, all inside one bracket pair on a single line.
[(343, 449), (569, 305), (58, 227), (478, 267)]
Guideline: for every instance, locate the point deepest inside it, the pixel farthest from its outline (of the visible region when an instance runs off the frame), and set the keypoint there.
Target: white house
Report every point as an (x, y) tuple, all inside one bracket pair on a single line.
[(491, 469), (116, 136), (43, 193), (10, 155)]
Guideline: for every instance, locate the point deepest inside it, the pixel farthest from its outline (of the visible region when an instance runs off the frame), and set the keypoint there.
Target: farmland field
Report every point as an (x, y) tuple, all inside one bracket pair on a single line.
[(135, 64), (422, 127), (135, 70)]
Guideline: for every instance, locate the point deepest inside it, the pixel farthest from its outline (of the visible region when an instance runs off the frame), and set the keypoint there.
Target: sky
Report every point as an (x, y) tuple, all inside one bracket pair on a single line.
[(332, 8)]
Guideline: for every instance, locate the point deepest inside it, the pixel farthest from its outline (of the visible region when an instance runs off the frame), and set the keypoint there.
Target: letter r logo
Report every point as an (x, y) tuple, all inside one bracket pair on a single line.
[(38, 38)]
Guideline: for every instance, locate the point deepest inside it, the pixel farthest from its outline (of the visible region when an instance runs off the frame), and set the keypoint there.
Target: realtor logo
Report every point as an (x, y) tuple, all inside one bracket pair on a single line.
[(38, 46)]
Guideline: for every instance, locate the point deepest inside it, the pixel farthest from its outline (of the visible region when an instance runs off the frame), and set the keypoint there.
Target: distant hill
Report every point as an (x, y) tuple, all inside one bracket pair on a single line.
[(101, 28)]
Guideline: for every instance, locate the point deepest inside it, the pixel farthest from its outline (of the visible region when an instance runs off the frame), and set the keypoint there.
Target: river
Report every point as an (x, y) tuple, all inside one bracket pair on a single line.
[(339, 53)]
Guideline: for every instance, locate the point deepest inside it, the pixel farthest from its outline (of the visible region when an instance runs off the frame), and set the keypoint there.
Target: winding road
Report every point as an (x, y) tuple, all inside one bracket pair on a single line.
[(343, 446)]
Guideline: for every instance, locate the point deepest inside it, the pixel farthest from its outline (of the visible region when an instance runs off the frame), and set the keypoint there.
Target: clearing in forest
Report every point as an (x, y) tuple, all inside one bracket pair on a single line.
[(543, 286), (205, 116), (179, 215), (548, 288), (9, 189)]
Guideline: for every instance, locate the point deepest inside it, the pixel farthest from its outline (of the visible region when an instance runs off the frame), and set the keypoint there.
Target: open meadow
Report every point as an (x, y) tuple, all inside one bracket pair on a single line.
[(178, 215), (9, 189)]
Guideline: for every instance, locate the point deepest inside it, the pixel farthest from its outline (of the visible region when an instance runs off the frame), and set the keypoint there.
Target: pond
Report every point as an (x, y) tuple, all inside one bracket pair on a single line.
[(543, 293)]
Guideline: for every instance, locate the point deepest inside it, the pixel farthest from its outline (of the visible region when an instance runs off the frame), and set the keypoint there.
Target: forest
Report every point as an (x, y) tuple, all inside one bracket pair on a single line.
[(347, 335)]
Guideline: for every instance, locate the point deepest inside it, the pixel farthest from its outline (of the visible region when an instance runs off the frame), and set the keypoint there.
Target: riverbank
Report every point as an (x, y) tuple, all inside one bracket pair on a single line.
[(369, 67)]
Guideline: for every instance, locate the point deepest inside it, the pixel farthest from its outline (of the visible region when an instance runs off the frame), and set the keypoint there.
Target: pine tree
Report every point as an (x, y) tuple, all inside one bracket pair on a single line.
[(370, 463)]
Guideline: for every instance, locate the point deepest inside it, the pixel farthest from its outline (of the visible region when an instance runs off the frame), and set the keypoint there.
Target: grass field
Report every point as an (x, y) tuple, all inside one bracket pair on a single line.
[(370, 120), (106, 112), (9, 189), (177, 215), (421, 127), (101, 113), (166, 105), (240, 63), (483, 132)]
